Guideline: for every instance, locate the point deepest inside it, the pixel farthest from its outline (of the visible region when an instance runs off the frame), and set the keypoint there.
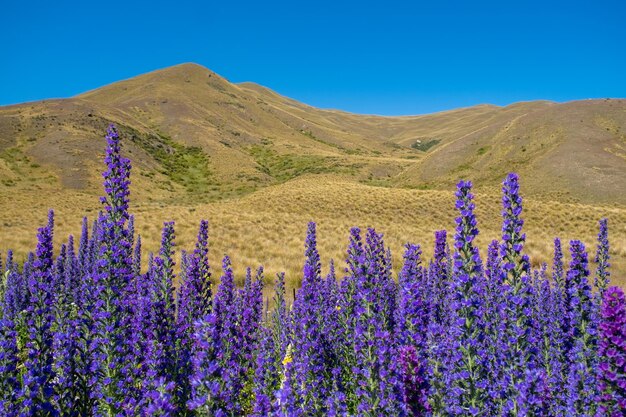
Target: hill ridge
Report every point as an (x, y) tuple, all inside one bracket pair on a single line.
[(230, 139)]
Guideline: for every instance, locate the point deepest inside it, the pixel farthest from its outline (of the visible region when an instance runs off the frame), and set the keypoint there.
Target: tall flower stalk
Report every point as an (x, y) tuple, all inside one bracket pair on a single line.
[(521, 346), (217, 359), (582, 334), (114, 391), (603, 275), (194, 303), (309, 350), (467, 376), (39, 373)]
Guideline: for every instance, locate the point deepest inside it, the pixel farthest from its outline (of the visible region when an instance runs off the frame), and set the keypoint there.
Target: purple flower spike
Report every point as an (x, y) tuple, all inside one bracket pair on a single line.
[(603, 274), (557, 266), (612, 354), (114, 356), (581, 338), (513, 264), (376, 369), (311, 364), (415, 385), (9, 376), (194, 303), (413, 312), (163, 309), (219, 369), (39, 376), (468, 364)]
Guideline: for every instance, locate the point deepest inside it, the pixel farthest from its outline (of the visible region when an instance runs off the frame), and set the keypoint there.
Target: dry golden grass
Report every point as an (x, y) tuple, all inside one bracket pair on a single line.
[(268, 227)]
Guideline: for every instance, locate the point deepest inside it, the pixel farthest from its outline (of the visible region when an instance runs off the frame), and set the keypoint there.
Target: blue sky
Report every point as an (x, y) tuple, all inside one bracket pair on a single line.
[(385, 57)]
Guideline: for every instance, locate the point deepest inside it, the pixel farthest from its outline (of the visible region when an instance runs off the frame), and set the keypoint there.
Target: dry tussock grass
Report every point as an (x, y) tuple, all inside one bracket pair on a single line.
[(268, 227)]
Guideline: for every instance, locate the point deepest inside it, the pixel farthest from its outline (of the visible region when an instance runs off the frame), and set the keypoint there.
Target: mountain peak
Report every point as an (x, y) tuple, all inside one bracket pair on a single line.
[(176, 78), (188, 69)]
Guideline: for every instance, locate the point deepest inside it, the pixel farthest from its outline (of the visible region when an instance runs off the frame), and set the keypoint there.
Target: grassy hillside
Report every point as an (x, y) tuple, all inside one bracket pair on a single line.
[(259, 166)]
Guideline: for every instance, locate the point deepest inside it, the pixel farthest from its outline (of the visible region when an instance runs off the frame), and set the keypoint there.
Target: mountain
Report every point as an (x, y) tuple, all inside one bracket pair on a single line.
[(196, 139), (193, 130)]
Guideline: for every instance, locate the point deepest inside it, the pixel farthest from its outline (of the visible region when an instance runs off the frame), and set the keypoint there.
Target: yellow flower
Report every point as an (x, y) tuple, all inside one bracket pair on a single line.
[(287, 359)]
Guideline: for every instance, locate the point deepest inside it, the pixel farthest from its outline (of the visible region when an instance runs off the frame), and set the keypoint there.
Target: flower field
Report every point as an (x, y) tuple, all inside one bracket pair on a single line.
[(85, 331)]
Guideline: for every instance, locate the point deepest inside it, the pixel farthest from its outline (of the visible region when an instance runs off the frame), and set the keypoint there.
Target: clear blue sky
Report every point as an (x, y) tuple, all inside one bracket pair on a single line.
[(384, 57)]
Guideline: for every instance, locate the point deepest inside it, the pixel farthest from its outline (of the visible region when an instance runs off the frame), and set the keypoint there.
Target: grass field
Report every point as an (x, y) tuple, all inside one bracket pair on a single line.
[(268, 227)]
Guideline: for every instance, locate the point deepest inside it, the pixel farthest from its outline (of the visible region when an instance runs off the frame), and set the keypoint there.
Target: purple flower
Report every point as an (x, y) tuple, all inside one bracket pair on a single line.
[(10, 386), (603, 274), (162, 306), (219, 370), (72, 393), (159, 399), (414, 382), (16, 293), (495, 323), (580, 334), (312, 358), (513, 263), (195, 296), (612, 354), (267, 373), (252, 314), (71, 280), (112, 311), (376, 370), (194, 303), (38, 381), (520, 344), (137, 259), (439, 276), (468, 364), (158, 393), (206, 376), (413, 312), (83, 247), (439, 336), (557, 266)]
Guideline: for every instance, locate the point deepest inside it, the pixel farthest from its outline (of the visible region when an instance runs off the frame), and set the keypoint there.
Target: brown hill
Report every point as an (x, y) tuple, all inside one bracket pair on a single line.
[(193, 130)]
